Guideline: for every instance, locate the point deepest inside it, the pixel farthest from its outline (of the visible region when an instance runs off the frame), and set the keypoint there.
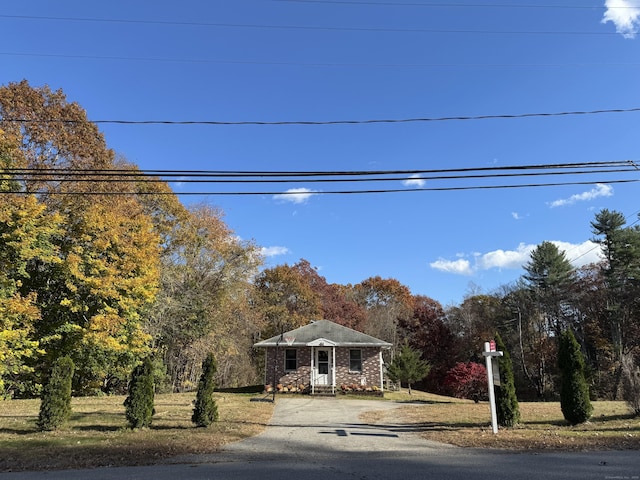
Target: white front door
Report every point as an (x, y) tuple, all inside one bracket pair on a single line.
[(323, 366)]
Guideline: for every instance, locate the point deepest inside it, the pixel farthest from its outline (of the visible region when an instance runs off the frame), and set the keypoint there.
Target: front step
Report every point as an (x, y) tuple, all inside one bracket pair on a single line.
[(323, 391)]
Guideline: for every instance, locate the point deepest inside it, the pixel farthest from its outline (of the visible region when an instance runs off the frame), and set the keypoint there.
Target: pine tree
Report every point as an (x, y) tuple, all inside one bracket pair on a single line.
[(408, 367), (507, 408), (574, 391), (139, 403), (205, 411), (55, 407)]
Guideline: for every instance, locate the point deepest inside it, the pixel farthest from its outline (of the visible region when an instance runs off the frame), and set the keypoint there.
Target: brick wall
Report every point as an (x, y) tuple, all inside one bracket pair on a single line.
[(370, 374)]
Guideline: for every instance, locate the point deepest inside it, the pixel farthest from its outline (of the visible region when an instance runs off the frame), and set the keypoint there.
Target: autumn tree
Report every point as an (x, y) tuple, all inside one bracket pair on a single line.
[(93, 299), (427, 332), (27, 231), (286, 298), (205, 301), (621, 247), (592, 328), (386, 302), (337, 302), (474, 322), (467, 380)]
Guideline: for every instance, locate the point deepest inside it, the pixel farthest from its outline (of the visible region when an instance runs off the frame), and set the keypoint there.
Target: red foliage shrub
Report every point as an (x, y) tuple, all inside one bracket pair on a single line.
[(467, 380)]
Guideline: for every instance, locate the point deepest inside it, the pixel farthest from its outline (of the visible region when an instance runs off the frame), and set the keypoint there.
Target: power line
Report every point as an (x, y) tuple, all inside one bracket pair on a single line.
[(327, 122), (332, 192), (320, 64), (632, 164), (307, 27), (35, 180), (452, 5)]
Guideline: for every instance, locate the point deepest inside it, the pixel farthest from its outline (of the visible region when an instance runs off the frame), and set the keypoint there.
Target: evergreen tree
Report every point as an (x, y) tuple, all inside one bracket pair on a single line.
[(55, 407), (507, 408), (408, 367), (205, 411), (139, 403), (549, 275), (574, 391)]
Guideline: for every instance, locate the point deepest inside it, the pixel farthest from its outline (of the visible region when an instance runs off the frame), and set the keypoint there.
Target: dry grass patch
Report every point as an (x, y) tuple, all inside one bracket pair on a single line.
[(467, 424), (97, 434)]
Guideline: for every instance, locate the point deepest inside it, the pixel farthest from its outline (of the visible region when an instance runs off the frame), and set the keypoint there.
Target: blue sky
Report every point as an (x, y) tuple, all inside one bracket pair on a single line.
[(282, 61)]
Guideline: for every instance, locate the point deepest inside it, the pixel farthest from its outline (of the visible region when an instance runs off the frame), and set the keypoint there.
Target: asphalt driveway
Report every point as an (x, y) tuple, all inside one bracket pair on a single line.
[(313, 428)]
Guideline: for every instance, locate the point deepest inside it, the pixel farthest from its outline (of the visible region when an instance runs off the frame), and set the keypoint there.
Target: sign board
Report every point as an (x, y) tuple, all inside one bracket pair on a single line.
[(495, 367), (492, 346)]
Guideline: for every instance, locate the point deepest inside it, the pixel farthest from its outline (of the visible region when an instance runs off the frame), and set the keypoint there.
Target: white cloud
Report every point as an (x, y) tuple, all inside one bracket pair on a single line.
[(459, 267), (578, 254), (581, 254), (295, 195), (600, 190), (624, 14), (273, 251), (516, 216), (505, 258), (415, 181)]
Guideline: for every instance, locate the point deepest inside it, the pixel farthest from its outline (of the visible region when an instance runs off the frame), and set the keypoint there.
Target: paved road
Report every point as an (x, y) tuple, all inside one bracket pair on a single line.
[(311, 438)]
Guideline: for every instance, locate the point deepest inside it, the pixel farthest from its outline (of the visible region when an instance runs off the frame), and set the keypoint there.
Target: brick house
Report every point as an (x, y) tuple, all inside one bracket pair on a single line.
[(322, 357)]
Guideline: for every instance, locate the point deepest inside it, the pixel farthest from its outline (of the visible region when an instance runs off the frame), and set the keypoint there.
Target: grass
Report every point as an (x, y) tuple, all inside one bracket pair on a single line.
[(97, 435), (542, 426)]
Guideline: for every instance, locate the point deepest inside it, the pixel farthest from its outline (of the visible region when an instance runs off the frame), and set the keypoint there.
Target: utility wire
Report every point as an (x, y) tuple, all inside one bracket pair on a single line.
[(306, 27), (330, 192), (23, 176), (321, 64), (452, 5), (326, 122), (263, 173)]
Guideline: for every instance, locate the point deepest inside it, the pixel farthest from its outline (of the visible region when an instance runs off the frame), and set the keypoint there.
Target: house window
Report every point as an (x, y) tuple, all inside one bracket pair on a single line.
[(355, 360), (291, 359)]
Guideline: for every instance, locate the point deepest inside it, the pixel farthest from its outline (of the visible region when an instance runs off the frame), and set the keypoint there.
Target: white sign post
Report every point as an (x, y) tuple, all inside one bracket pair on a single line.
[(489, 352)]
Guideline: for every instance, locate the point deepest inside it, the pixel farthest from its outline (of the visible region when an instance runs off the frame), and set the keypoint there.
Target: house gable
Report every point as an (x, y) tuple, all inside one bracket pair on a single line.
[(338, 335)]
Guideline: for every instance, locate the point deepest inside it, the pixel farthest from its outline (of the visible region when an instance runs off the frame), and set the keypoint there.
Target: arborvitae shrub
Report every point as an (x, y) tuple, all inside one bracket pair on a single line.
[(55, 406), (507, 407), (205, 411), (139, 404), (574, 391)]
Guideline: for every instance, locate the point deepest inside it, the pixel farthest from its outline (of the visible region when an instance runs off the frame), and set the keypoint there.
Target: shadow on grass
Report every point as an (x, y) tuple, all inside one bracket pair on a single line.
[(422, 402), (18, 431), (607, 418)]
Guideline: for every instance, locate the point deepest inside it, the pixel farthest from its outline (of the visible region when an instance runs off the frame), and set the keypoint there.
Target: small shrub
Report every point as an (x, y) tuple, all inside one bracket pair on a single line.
[(408, 367), (467, 380), (507, 407), (55, 406), (205, 411), (139, 404), (574, 391)]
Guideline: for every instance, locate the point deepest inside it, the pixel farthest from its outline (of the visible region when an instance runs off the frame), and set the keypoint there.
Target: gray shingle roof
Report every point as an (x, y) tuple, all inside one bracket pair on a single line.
[(341, 336)]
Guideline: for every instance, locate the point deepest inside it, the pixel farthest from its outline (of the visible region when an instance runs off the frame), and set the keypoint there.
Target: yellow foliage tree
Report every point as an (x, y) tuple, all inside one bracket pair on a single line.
[(26, 229)]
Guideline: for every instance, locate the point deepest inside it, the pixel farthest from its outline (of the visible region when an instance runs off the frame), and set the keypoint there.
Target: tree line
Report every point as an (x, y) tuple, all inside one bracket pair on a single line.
[(114, 278)]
